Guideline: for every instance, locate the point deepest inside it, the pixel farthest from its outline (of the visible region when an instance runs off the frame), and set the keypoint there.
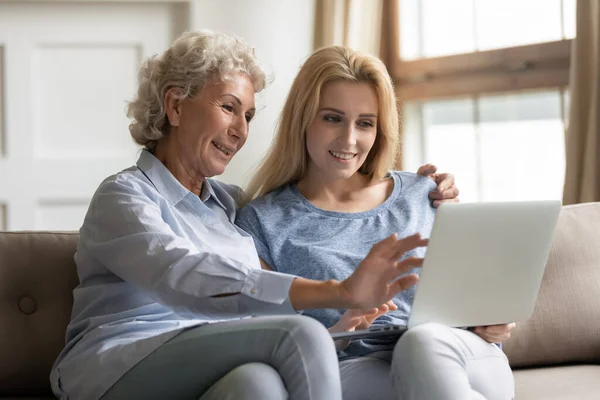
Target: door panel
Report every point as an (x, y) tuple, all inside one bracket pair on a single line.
[(66, 73)]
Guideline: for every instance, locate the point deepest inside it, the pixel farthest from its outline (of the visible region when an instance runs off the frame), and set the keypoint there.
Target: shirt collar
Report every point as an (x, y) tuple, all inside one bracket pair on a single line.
[(206, 192), (164, 181)]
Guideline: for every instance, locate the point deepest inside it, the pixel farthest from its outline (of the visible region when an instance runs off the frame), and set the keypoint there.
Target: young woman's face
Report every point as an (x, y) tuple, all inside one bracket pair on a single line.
[(344, 129)]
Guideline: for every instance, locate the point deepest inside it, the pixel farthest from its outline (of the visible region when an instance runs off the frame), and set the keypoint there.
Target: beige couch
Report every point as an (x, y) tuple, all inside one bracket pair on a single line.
[(556, 354)]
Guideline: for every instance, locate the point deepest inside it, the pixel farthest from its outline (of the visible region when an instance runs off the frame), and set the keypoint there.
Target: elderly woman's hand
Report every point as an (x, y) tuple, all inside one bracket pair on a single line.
[(380, 276), (446, 190), (376, 280), (495, 333)]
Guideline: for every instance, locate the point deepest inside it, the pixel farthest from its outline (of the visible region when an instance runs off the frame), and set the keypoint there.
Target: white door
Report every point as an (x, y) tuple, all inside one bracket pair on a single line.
[(66, 72)]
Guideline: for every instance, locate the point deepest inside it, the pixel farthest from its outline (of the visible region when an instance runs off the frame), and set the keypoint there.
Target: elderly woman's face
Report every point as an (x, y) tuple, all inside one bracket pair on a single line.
[(211, 127)]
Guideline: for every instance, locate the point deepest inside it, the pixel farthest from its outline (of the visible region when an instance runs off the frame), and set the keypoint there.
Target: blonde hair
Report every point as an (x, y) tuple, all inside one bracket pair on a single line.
[(191, 61), (287, 158)]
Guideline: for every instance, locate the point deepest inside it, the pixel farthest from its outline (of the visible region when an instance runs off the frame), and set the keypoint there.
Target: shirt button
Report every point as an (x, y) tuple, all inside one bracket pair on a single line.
[(253, 291)]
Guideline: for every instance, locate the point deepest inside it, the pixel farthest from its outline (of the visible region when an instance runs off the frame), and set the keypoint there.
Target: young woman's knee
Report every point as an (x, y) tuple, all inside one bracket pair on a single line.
[(424, 335), (416, 344)]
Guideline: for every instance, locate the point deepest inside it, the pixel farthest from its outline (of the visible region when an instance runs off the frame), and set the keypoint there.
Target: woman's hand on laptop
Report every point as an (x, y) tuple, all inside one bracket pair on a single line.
[(367, 320), (495, 333), (361, 319), (446, 190), (355, 319)]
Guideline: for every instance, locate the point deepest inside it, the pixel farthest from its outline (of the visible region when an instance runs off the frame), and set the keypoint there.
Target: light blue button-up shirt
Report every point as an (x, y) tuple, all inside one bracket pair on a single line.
[(151, 257)]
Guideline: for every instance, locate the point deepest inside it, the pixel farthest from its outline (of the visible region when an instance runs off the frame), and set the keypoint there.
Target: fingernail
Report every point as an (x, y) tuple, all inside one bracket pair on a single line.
[(441, 189)]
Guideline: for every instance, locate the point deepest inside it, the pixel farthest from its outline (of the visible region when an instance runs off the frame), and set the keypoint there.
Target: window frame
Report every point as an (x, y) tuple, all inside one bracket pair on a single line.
[(535, 66)]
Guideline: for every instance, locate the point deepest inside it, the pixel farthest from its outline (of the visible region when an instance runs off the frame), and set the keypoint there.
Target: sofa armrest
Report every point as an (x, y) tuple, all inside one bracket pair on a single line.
[(565, 325)]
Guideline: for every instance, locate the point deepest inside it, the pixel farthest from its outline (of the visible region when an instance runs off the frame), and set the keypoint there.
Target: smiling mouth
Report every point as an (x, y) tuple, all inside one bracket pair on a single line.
[(342, 156), (222, 149)]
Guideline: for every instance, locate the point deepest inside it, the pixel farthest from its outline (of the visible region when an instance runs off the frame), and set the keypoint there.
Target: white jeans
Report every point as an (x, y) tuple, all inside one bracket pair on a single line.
[(431, 362)]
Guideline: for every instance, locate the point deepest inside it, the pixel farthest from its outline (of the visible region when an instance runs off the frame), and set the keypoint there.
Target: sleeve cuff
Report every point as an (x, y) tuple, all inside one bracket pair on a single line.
[(268, 287)]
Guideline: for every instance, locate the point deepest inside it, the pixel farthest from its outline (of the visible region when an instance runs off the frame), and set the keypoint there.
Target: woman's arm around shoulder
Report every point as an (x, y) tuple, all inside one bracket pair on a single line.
[(445, 191)]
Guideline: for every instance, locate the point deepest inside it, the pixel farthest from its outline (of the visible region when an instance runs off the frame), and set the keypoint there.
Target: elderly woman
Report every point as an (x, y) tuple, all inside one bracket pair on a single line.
[(166, 278)]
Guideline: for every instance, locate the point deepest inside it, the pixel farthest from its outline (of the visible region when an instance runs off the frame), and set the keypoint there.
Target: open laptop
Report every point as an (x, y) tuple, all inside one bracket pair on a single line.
[(483, 266)]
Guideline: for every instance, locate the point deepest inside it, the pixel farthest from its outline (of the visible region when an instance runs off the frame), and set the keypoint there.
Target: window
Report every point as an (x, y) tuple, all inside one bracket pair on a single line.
[(433, 28), (500, 146), (483, 92)]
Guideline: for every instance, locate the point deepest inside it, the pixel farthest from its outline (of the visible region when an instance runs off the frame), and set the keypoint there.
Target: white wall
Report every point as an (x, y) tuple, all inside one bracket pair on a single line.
[(282, 32)]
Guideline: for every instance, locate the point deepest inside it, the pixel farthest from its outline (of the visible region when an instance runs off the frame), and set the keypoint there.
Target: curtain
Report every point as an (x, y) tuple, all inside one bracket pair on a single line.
[(582, 176), (353, 23)]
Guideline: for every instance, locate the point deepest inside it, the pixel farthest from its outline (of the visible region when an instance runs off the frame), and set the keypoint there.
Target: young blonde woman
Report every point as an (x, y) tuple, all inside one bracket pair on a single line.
[(325, 194)]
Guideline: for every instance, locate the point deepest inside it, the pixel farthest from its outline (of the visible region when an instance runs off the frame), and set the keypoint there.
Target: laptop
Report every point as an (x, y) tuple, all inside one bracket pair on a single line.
[(483, 266)]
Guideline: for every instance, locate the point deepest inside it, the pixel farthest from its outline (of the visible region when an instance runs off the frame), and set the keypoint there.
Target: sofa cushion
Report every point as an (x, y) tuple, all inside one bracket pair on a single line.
[(558, 383), (37, 277), (30, 398), (565, 325)]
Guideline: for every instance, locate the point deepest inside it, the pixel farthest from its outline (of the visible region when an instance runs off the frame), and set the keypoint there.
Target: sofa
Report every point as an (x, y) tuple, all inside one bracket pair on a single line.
[(555, 354)]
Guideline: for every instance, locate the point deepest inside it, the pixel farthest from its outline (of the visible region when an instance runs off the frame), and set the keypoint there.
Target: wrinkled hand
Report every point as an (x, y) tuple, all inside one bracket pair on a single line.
[(495, 333), (446, 190), (376, 279)]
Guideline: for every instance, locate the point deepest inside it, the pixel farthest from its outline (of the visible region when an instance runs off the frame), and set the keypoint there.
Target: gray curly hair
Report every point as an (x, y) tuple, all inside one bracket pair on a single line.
[(192, 60)]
